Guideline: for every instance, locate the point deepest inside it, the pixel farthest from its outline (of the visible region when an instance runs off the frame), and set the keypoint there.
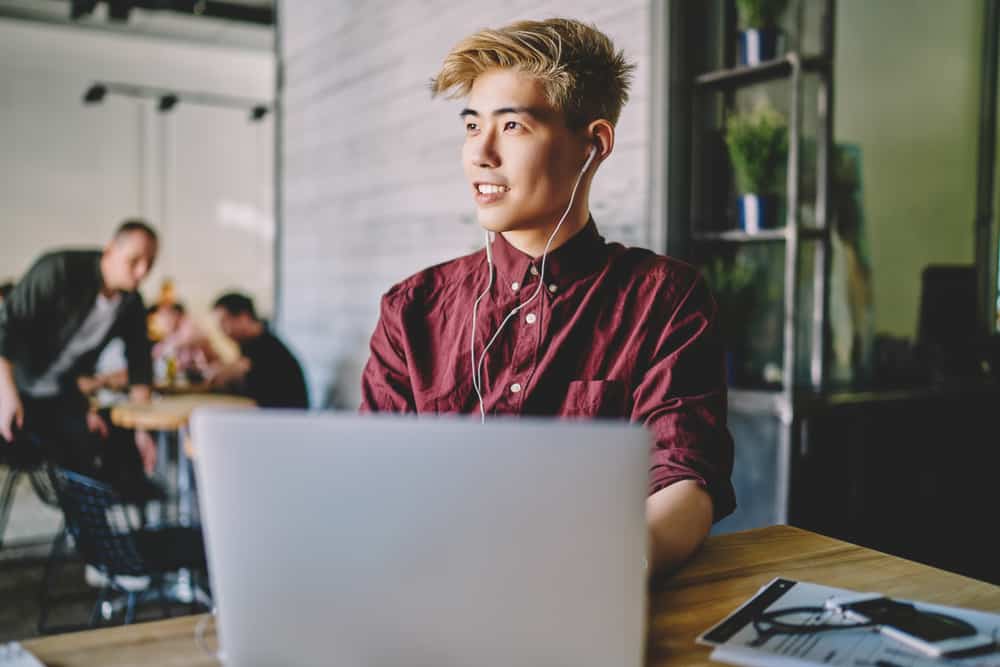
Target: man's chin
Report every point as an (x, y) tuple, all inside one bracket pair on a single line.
[(498, 223)]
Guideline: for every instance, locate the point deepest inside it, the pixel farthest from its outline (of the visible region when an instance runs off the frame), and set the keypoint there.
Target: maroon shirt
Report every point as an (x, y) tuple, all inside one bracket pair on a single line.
[(615, 332)]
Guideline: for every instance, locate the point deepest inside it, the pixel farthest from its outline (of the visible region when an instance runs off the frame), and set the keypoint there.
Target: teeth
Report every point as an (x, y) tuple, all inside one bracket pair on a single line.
[(489, 189)]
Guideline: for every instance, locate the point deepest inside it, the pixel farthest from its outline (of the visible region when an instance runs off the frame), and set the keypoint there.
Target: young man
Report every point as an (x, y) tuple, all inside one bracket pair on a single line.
[(550, 319), (53, 326), (266, 371)]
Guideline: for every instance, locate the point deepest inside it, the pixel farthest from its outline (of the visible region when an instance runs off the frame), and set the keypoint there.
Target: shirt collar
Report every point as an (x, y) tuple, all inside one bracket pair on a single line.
[(580, 256)]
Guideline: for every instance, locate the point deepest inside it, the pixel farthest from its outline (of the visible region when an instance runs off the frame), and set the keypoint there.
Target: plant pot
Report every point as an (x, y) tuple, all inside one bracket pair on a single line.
[(757, 46), (758, 212)]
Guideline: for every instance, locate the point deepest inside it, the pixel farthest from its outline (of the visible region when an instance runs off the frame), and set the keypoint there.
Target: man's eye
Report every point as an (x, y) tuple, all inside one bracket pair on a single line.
[(511, 125), (471, 127)]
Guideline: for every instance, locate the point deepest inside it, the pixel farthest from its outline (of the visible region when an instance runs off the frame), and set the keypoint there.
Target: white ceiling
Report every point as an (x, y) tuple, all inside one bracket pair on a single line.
[(154, 24)]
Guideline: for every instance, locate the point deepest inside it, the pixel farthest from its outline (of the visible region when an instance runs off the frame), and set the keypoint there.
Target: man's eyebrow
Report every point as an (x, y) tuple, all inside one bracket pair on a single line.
[(529, 111)]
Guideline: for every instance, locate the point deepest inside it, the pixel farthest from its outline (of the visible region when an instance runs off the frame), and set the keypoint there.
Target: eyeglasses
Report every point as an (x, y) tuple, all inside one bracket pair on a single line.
[(805, 620), (809, 620)]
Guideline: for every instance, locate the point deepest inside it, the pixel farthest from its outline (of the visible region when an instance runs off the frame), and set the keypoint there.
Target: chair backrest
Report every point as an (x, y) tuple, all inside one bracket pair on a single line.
[(41, 482), (100, 522)]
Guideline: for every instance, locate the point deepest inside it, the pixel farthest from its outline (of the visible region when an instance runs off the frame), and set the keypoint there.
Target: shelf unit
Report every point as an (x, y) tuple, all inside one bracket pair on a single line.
[(788, 402)]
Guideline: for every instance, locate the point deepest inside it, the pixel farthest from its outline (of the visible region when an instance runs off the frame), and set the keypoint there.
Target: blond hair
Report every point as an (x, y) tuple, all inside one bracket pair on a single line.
[(582, 74)]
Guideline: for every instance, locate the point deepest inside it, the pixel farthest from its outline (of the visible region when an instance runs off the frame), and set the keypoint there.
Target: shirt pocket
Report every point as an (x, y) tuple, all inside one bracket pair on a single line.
[(596, 398)]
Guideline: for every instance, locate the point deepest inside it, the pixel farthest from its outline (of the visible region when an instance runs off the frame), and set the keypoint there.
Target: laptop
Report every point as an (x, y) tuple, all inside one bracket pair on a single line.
[(384, 540)]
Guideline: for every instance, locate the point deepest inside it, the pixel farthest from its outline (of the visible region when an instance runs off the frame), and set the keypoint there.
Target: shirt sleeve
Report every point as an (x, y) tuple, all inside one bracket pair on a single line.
[(138, 352), (385, 381), (21, 306), (681, 400)]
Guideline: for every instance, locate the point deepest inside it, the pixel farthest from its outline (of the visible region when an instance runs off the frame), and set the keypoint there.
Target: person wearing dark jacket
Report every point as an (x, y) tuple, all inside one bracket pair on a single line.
[(266, 371), (53, 326)]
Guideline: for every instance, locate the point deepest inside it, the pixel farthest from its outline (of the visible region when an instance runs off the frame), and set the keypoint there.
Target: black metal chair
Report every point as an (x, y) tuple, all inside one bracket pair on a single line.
[(25, 458), (135, 563)]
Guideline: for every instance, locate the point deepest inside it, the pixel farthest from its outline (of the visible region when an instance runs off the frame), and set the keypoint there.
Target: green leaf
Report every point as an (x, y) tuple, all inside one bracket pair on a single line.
[(760, 13), (758, 147)]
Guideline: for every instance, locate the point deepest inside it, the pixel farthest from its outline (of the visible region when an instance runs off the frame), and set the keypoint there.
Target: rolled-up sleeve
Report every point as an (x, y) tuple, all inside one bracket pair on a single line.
[(681, 399)]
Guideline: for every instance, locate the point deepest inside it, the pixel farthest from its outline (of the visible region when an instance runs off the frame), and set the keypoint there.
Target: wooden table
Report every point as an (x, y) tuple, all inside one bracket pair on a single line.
[(170, 413), (169, 416), (728, 570)]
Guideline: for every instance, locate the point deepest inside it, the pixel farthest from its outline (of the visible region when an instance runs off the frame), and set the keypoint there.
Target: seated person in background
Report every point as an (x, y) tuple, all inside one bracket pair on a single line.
[(183, 341), (266, 371), (550, 319), (110, 373), (53, 327)]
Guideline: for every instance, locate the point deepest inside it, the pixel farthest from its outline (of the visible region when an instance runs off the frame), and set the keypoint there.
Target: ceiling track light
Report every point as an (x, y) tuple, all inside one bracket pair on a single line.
[(80, 8), (167, 99), (95, 94), (167, 102)]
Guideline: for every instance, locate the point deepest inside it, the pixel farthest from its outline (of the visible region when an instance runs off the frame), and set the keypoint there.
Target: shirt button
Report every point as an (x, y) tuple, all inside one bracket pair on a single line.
[(553, 287), (530, 318), (534, 270), (515, 286), (515, 388)]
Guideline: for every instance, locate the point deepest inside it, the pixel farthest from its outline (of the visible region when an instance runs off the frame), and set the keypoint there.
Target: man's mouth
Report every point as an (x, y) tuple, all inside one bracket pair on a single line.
[(488, 193)]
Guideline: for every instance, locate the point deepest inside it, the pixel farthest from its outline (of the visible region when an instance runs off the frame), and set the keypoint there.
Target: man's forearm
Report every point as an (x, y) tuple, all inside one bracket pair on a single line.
[(7, 385), (679, 519)]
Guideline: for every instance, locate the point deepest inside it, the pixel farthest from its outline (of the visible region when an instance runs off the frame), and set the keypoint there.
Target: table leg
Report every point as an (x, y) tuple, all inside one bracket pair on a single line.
[(156, 511), (185, 485)]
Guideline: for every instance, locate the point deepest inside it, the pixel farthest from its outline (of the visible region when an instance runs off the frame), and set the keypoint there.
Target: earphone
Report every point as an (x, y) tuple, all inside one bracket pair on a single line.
[(477, 367)]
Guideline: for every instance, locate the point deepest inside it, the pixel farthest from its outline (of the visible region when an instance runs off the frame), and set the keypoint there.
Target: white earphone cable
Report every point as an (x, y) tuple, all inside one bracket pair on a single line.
[(477, 367)]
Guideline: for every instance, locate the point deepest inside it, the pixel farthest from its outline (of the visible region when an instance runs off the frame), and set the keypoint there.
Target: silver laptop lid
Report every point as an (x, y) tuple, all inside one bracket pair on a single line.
[(359, 541)]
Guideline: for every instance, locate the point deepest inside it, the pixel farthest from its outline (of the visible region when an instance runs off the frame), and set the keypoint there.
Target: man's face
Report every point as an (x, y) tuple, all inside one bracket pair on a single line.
[(228, 323), (519, 157), (128, 259)]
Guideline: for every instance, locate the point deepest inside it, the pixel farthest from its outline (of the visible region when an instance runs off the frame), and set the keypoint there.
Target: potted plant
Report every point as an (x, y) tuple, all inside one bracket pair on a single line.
[(760, 38), (758, 146)]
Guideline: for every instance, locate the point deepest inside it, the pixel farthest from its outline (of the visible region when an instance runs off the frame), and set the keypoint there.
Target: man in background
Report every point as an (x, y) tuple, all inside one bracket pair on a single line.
[(183, 341), (266, 371), (53, 326)]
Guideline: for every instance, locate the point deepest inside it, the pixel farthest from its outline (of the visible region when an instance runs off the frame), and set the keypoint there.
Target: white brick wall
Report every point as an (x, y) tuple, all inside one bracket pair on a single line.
[(372, 185)]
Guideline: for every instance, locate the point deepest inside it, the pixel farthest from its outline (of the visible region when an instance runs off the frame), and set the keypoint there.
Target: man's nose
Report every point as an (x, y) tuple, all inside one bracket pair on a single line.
[(484, 152)]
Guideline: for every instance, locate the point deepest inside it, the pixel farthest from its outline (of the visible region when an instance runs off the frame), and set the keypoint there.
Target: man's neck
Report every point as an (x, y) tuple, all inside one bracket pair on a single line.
[(532, 241), (108, 292)]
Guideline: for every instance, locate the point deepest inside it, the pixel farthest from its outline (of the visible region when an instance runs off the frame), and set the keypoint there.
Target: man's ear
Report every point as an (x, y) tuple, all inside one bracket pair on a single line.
[(602, 135)]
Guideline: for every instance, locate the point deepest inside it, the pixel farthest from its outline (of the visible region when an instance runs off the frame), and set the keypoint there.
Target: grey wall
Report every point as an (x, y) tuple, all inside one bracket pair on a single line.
[(907, 92), (372, 185)]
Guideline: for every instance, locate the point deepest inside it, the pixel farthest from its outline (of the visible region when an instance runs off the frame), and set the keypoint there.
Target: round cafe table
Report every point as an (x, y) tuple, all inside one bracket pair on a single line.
[(169, 415)]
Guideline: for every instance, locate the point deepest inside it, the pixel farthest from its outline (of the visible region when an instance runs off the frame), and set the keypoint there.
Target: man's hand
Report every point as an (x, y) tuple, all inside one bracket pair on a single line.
[(96, 425), (89, 384), (229, 374), (147, 450), (140, 393), (11, 415), (11, 409)]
